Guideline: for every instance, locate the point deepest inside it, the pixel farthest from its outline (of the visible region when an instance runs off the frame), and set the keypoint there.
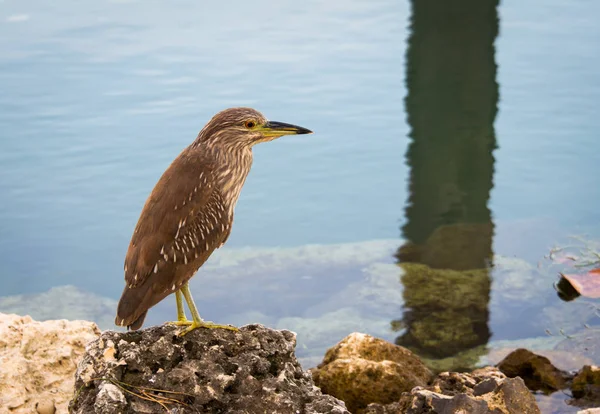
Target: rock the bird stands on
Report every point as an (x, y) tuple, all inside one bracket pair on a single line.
[(189, 214)]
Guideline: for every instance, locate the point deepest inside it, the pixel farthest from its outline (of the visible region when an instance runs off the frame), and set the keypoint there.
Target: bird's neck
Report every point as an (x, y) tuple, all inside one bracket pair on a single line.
[(232, 165)]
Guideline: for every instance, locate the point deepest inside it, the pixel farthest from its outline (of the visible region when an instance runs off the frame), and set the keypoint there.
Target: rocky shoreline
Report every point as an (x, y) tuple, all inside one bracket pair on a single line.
[(70, 366)]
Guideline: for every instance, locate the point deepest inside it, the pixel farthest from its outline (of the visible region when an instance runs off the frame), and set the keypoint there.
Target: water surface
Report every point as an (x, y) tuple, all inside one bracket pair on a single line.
[(453, 147)]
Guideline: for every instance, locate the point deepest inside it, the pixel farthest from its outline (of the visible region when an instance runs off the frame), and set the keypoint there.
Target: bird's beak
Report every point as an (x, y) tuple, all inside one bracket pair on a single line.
[(277, 129)]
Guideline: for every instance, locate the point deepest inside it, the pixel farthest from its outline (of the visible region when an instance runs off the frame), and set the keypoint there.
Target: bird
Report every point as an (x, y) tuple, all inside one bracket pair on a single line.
[(189, 214)]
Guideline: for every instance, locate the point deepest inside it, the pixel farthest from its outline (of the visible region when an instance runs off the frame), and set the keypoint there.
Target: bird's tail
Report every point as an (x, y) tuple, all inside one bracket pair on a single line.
[(133, 307)]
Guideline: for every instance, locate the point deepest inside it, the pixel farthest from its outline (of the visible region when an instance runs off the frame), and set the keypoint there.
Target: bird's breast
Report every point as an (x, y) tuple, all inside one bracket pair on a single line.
[(231, 178)]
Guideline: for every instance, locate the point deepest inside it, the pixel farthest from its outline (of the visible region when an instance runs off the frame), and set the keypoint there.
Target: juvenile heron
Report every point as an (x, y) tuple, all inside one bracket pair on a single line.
[(189, 214)]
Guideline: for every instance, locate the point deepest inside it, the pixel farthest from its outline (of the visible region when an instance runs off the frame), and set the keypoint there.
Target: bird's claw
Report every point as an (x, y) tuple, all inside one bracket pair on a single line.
[(208, 325), (181, 322)]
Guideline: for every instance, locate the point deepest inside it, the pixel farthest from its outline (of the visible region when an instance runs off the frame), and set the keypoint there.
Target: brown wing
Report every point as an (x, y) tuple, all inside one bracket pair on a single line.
[(183, 219)]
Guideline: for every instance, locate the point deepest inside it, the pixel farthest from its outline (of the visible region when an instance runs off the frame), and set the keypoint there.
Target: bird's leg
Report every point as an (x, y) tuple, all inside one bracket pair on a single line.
[(180, 310), (182, 320), (197, 320)]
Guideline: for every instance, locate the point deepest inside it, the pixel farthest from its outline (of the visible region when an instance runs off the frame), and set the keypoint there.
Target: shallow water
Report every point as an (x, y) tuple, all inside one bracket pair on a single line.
[(455, 140)]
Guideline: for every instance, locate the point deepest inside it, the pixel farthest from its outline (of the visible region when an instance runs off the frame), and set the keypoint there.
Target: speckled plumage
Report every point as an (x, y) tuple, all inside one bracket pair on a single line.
[(189, 213)]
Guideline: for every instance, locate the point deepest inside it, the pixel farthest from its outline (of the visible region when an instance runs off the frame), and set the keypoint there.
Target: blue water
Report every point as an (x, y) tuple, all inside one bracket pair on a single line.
[(96, 99)]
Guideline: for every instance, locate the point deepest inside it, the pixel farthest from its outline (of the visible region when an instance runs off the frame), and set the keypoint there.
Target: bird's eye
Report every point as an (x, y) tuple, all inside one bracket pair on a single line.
[(249, 124)]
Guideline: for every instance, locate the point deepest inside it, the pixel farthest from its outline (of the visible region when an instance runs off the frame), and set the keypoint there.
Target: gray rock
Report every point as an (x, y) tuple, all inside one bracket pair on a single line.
[(460, 403), (515, 396), (209, 371), (110, 399), (482, 392), (486, 386)]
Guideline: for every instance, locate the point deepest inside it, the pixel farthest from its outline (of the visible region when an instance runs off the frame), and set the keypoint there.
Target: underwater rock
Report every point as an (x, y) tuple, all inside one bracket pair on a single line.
[(516, 281), (537, 371), (253, 370), (267, 259), (458, 246), (485, 391), (586, 384), (463, 361), (316, 334), (62, 302), (447, 309), (564, 360), (585, 343), (38, 360), (376, 291), (362, 369), (441, 284)]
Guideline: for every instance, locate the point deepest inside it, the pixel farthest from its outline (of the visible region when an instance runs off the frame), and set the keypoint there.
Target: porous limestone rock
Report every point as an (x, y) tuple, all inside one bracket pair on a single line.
[(250, 371), (362, 369), (38, 362), (485, 391), (537, 371)]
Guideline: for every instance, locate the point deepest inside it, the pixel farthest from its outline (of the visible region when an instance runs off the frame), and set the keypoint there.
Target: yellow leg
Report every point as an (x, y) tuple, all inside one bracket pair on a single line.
[(197, 321), (180, 310), (182, 320)]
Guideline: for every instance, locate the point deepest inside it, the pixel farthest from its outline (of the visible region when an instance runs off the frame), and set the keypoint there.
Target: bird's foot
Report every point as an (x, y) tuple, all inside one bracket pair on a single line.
[(181, 322), (205, 324)]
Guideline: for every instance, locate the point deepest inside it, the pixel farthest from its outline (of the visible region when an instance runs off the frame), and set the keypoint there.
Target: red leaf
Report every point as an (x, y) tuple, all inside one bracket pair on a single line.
[(586, 284)]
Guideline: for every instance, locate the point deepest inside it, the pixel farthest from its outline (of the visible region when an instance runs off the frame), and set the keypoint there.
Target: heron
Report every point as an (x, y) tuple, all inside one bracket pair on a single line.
[(189, 214)]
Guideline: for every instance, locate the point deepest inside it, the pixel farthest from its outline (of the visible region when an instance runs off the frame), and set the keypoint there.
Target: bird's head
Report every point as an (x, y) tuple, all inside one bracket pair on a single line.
[(244, 127)]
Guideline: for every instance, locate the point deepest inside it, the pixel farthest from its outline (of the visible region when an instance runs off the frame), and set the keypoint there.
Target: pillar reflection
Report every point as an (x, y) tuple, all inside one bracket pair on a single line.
[(451, 106)]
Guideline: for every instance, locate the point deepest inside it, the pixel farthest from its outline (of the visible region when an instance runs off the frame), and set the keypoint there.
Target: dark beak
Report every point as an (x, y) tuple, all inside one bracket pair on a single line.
[(281, 128)]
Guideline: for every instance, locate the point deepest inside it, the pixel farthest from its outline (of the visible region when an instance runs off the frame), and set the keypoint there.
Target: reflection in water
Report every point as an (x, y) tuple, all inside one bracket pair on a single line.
[(451, 106)]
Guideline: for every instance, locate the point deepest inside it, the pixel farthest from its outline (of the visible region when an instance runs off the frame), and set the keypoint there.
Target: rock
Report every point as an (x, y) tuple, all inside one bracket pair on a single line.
[(482, 374), (485, 391), (393, 408), (208, 370), (589, 411), (586, 383), (38, 360), (45, 407), (361, 293), (362, 369), (537, 371), (563, 360), (512, 396), (439, 403)]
